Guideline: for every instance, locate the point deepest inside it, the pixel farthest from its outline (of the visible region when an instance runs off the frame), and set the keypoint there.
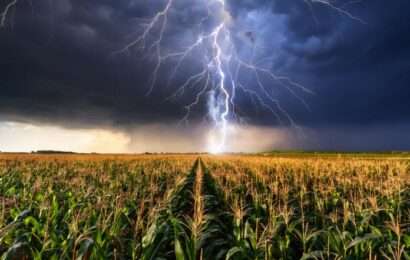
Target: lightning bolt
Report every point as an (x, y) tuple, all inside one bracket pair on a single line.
[(222, 67), (222, 120), (220, 76), (336, 8), (3, 15)]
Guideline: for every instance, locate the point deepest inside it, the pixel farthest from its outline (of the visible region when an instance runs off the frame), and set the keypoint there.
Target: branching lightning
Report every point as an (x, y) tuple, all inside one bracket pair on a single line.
[(338, 9), (220, 76), (222, 67)]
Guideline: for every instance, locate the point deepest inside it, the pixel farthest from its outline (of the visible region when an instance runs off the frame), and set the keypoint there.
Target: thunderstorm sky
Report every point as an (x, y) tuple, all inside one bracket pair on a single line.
[(64, 86)]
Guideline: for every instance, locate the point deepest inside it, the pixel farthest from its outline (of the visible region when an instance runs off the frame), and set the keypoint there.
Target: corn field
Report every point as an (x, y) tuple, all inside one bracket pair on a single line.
[(204, 207)]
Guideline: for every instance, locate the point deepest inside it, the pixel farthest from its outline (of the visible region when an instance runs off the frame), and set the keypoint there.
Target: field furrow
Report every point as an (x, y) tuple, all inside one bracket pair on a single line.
[(217, 236), (165, 236)]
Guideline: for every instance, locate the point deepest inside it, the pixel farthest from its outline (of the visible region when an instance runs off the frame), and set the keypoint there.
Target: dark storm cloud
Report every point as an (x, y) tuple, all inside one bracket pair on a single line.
[(359, 71), (57, 63)]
